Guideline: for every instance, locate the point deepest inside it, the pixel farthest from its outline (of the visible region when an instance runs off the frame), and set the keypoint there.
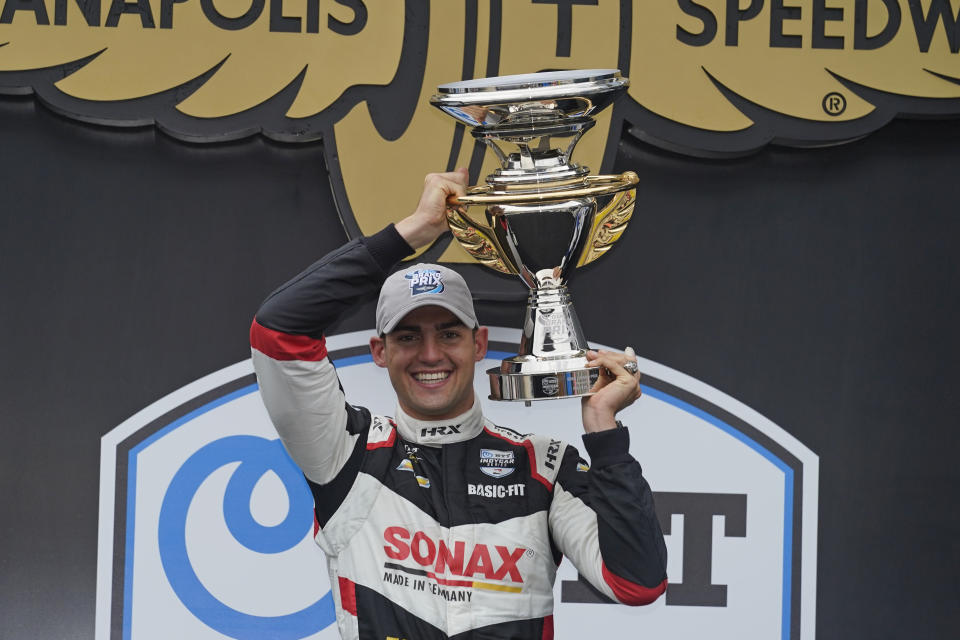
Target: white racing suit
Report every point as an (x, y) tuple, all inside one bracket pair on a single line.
[(450, 529)]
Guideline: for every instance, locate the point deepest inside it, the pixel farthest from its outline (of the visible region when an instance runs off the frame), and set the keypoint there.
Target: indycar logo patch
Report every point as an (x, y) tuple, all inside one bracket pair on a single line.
[(496, 463)]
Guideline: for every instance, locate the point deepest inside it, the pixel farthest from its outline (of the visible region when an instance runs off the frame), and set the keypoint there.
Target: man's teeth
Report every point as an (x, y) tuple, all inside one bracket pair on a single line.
[(436, 376)]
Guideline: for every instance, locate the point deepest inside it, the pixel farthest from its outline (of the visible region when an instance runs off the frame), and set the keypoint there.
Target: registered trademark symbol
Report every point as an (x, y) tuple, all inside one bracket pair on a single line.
[(530, 553), (834, 103)]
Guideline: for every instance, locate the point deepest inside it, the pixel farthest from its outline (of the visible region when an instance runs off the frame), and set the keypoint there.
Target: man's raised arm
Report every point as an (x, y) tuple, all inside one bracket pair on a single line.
[(298, 384)]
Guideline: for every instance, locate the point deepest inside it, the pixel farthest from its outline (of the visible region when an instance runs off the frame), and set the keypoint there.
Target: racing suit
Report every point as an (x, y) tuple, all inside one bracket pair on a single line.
[(444, 529)]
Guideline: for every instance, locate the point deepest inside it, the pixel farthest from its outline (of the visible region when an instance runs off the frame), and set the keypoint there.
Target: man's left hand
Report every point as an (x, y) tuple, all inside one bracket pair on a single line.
[(615, 389)]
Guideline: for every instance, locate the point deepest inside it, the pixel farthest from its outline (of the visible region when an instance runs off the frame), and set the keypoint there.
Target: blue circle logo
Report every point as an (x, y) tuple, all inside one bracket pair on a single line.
[(257, 456)]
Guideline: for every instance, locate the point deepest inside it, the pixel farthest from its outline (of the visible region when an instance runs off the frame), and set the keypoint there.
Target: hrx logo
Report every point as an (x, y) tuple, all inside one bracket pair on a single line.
[(446, 430), (552, 452), (446, 561)]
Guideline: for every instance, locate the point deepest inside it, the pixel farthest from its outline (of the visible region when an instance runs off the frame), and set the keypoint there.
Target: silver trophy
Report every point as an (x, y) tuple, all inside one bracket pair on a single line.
[(540, 214)]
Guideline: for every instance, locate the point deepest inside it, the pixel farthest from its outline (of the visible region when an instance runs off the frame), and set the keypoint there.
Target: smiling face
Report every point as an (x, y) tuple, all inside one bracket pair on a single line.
[(430, 356)]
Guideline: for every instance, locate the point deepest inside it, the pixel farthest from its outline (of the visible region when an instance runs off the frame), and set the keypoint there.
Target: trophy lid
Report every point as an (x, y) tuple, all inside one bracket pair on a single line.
[(554, 95)]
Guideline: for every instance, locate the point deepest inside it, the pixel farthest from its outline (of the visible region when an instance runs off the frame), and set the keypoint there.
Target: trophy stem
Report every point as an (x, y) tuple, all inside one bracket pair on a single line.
[(551, 328), (553, 353)]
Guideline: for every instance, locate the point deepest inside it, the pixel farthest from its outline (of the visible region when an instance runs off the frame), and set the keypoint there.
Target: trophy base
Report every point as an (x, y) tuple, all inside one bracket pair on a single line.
[(526, 387)]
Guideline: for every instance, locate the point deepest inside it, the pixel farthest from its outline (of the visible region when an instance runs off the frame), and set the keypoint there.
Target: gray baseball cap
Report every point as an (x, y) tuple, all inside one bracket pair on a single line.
[(419, 286)]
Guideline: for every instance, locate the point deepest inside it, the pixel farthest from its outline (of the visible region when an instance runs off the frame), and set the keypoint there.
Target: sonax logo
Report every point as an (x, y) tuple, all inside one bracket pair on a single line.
[(708, 77), (205, 525), (490, 562)]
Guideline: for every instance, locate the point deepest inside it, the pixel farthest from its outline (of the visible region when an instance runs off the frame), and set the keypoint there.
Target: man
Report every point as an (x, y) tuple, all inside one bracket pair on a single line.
[(437, 523)]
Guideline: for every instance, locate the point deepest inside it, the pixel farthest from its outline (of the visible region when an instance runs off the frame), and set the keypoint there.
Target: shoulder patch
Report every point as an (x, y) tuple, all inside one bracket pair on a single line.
[(506, 432), (547, 453), (382, 432), (544, 452)]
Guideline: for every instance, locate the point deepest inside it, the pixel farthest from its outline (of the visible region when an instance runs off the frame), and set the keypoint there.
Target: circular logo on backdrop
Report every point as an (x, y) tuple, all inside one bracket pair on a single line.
[(206, 526)]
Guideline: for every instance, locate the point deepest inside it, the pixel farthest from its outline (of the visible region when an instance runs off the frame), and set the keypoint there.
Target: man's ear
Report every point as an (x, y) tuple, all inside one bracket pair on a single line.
[(377, 346), (480, 339)]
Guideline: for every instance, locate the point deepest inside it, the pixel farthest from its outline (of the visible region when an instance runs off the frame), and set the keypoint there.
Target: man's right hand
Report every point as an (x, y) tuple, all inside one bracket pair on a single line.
[(425, 225)]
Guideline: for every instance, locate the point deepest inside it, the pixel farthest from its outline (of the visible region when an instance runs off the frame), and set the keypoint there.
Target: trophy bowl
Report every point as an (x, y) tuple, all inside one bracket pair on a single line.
[(540, 214)]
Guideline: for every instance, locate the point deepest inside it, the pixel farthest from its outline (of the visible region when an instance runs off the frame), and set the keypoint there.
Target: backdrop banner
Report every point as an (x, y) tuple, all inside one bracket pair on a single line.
[(206, 525)]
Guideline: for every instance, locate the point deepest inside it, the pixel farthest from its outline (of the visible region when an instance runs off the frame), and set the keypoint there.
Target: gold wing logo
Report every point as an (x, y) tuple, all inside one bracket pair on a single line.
[(708, 77), (205, 70), (804, 73)]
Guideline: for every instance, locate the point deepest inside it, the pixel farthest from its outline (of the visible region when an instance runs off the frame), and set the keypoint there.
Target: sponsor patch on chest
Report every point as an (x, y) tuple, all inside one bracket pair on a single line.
[(450, 563), (407, 465), (496, 463), (495, 490)]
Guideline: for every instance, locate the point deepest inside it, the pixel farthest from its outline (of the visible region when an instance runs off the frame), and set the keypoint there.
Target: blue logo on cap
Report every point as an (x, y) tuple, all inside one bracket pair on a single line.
[(424, 281)]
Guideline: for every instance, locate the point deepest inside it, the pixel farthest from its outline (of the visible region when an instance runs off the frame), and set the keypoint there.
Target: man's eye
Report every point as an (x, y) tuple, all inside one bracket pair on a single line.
[(451, 335), (406, 337)]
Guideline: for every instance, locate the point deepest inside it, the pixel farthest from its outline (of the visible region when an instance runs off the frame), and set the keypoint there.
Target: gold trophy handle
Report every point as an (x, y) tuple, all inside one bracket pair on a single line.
[(477, 241), (595, 186), (608, 225)]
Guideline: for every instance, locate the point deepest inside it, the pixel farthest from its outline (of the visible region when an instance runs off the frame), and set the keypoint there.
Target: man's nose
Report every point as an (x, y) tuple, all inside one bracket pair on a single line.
[(430, 349)]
